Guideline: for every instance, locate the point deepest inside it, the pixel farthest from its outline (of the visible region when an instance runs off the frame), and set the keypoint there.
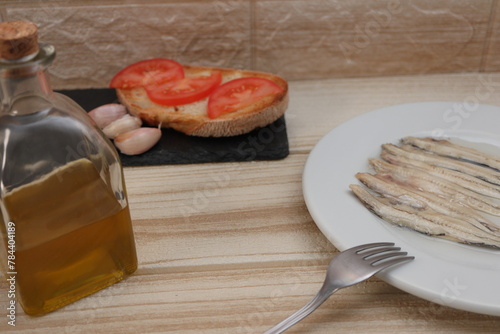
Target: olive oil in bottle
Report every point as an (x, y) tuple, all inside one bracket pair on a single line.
[(65, 224)]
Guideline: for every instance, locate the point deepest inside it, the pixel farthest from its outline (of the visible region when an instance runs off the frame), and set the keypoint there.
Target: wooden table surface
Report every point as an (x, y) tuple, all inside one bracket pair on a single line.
[(231, 247)]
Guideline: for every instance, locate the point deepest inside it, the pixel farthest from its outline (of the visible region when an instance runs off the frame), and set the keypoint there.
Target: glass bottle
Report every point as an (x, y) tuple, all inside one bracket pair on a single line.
[(66, 230)]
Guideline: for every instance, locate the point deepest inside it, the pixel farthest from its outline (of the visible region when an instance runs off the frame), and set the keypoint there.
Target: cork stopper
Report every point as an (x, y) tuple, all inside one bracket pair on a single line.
[(18, 39)]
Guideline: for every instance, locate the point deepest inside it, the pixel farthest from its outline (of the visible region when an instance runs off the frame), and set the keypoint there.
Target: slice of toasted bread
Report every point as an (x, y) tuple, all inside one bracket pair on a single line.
[(192, 118)]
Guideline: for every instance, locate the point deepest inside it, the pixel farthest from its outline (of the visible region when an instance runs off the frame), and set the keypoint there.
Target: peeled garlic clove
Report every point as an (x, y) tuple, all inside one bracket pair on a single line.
[(107, 113), (137, 141), (122, 125)]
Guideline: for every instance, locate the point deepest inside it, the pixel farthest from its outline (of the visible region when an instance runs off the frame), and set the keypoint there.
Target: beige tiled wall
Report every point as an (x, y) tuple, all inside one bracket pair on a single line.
[(298, 39), (491, 59)]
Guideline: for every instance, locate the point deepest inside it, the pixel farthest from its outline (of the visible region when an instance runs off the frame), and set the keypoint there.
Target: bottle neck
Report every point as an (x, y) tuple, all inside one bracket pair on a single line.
[(24, 87)]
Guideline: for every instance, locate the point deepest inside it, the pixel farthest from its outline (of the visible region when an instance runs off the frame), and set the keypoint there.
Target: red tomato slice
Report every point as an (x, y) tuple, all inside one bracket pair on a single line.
[(239, 93), (184, 91), (147, 72)]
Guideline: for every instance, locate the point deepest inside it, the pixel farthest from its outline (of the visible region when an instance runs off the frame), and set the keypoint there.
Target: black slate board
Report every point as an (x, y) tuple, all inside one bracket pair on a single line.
[(268, 143)]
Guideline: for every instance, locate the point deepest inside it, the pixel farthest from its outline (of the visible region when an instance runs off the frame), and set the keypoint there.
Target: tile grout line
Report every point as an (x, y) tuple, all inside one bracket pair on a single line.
[(489, 33), (253, 24)]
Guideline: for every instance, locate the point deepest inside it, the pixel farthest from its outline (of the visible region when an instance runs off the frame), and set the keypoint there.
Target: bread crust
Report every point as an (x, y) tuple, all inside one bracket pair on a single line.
[(192, 118)]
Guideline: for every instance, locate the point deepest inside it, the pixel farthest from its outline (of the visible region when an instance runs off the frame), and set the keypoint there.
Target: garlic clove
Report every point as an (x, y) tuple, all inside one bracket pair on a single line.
[(124, 124), (107, 113), (137, 141)]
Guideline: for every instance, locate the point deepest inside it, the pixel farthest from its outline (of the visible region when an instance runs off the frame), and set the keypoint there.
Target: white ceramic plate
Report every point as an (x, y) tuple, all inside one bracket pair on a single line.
[(444, 272)]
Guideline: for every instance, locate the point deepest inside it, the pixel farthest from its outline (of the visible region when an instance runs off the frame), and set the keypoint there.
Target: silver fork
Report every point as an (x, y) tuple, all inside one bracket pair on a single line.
[(349, 267)]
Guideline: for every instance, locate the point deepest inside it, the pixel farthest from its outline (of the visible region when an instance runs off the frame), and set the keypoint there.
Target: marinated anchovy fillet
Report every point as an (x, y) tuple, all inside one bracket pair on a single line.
[(417, 199), (446, 148), (481, 172), (425, 220), (465, 180), (435, 187), (438, 186)]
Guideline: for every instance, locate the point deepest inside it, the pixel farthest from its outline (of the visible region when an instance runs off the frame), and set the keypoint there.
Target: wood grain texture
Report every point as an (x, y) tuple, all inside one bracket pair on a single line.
[(336, 101), (231, 247)]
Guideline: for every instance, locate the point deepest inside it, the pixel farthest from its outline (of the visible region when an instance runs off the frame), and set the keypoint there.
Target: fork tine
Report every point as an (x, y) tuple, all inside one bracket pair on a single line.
[(374, 259), (371, 252), (384, 264), (372, 245)]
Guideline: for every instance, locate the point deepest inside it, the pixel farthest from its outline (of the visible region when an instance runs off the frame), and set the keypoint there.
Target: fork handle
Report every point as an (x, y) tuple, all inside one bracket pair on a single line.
[(322, 295)]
